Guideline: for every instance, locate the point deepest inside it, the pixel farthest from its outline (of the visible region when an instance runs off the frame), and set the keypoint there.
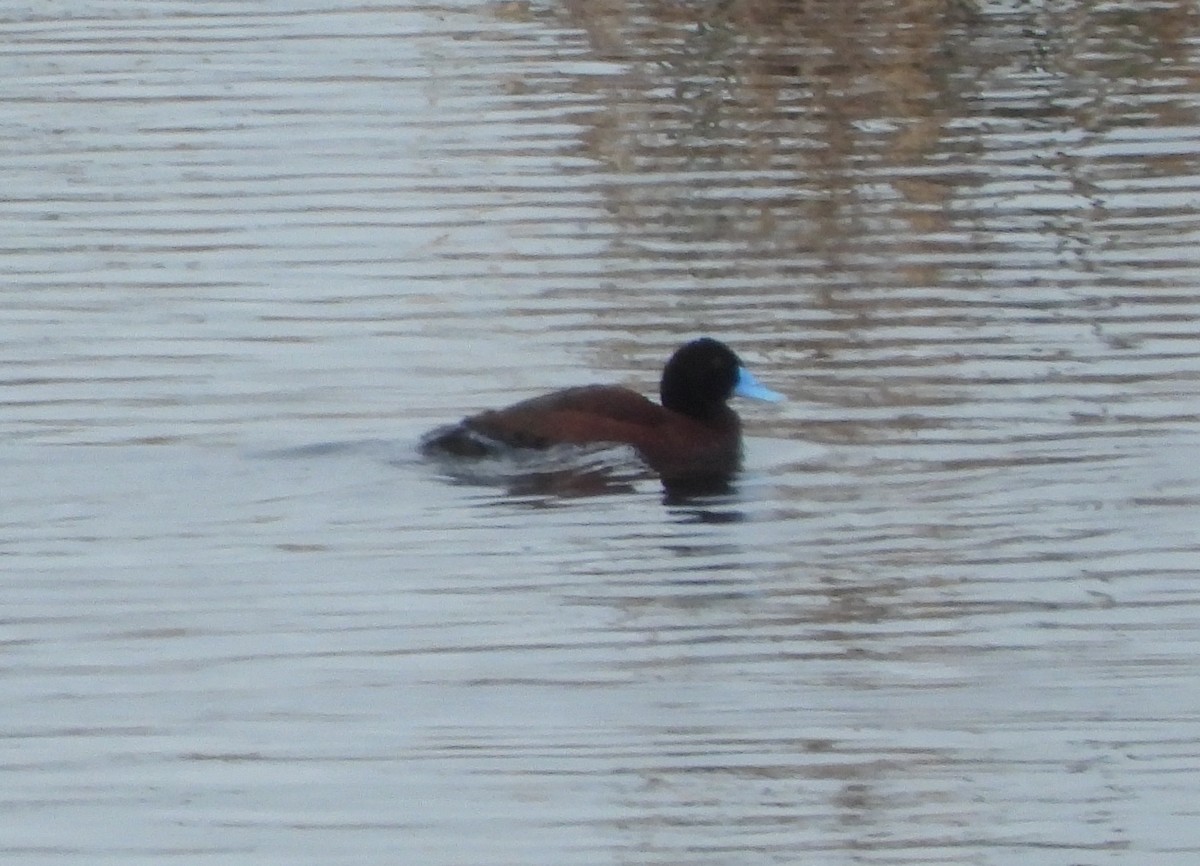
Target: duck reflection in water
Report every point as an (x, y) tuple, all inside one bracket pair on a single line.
[(692, 441)]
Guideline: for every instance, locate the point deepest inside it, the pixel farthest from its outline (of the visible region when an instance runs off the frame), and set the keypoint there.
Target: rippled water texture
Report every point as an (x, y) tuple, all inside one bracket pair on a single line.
[(949, 613)]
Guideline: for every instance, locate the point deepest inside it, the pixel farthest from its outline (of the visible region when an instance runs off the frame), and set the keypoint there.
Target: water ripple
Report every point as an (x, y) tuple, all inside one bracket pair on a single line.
[(255, 250)]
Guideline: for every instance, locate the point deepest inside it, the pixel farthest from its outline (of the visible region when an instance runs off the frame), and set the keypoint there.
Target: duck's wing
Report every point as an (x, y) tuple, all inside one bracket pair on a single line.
[(593, 413)]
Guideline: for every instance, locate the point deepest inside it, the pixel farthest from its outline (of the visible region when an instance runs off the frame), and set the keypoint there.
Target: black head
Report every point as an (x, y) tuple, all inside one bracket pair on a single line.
[(700, 378)]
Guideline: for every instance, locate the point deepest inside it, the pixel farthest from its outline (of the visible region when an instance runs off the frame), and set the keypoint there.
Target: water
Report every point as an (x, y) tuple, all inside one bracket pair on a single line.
[(948, 614)]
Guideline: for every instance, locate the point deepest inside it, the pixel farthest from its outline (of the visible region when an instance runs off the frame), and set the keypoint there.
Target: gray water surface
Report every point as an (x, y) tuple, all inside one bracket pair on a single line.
[(949, 613)]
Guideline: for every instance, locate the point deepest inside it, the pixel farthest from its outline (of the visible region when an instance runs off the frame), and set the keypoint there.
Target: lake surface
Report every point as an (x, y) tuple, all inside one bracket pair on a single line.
[(949, 612)]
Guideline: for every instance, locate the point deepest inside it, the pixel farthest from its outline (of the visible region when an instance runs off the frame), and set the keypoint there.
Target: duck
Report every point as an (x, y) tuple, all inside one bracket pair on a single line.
[(691, 432)]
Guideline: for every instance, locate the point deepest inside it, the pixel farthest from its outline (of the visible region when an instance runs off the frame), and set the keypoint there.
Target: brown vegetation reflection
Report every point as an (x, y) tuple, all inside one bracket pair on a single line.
[(811, 99), (815, 161)]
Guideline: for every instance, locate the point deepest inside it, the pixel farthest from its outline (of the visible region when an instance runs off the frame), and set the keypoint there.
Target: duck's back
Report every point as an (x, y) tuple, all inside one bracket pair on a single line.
[(579, 416)]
